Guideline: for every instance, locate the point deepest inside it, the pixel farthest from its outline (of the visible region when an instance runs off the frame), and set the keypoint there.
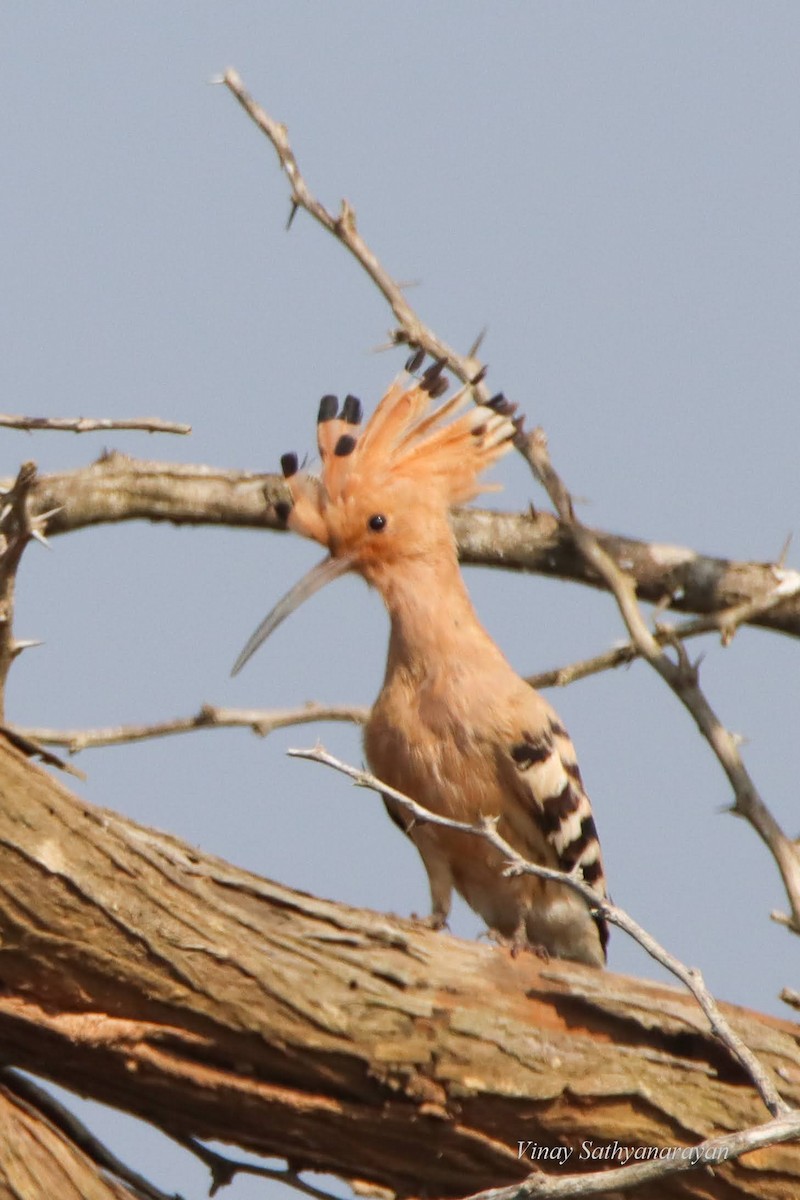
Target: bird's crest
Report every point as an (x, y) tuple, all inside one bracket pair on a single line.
[(439, 452)]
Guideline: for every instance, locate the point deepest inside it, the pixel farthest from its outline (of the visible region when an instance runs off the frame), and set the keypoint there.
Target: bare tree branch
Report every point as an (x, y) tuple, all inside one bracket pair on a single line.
[(119, 488), (224, 1171), (91, 424), (32, 748), (679, 571), (18, 526), (681, 676), (210, 716), (343, 227), (261, 722), (726, 623), (517, 865), (220, 1006)]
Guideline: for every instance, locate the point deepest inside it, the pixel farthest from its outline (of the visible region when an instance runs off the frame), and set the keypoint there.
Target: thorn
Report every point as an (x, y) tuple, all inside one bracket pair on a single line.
[(292, 215), (416, 360), (480, 376), (476, 345), (781, 560), (382, 347), (289, 465), (42, 518), (24, 644), (216, 79), (787, 582), (6, 510), (41, 539)]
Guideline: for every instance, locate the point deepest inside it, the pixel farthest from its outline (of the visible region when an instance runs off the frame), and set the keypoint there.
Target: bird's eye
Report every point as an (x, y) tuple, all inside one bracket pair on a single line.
[(377, 523)]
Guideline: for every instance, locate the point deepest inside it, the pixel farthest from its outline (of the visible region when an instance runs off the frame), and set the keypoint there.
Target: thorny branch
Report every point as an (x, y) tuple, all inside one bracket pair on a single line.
[(119, 488), (224, 1171), (91, 424), (18, 526), (725, 622), (22, 520), (681, 676), (343, 227), (517, 865), (601, 564)]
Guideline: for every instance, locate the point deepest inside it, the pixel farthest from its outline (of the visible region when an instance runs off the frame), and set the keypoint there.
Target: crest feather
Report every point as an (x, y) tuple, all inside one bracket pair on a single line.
[(403, 441)]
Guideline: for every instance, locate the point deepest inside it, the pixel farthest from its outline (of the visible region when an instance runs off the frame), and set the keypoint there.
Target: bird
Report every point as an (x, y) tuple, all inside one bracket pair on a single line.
[(454, 726)]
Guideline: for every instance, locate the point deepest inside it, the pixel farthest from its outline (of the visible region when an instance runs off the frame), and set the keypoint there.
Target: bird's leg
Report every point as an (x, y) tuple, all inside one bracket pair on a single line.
[(440, 881)]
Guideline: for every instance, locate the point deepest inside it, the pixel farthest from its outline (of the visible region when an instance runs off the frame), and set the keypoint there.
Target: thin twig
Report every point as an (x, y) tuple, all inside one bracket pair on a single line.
[(91, 424), (210, 716), (414, 332), (411, 330), (725, 623), (32, 747), (681, 676), (516, 864), (224, 1170), (708, 1153)]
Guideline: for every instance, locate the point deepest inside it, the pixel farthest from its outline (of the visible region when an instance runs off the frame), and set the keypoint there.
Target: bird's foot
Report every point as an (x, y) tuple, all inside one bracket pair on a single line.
[(435, 921), (517, 943)]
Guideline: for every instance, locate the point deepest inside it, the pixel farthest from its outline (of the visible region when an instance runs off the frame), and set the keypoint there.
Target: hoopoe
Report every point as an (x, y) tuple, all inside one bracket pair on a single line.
[(454, 726)]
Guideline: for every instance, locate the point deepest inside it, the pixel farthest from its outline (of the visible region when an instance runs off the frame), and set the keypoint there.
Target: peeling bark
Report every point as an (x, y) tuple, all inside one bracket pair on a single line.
[(216, 1004)]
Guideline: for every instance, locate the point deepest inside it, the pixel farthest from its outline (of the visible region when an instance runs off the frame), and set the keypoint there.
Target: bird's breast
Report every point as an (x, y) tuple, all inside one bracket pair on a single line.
[(423, 739)]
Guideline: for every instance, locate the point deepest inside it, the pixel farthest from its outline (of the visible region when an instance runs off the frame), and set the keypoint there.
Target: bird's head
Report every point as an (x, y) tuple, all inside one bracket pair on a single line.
[(382, 497)]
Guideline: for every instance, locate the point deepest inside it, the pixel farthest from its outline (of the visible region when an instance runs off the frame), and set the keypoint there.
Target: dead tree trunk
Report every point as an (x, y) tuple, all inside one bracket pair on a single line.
[(216, 1004)]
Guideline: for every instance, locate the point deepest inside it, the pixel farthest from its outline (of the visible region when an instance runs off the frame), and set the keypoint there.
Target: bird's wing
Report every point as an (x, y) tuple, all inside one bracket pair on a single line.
[(540, 769)]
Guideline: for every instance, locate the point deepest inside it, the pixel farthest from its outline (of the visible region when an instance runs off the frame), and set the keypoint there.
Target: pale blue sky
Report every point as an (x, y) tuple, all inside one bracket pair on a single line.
[(614, 190)]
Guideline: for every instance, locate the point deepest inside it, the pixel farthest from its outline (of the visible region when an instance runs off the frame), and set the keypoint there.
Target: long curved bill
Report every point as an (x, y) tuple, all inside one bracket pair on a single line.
[(324, 572)]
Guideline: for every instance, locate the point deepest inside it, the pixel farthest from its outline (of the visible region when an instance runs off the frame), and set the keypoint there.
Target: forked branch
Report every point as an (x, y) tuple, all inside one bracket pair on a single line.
[(600, 564), (680, 675), (119, 488)]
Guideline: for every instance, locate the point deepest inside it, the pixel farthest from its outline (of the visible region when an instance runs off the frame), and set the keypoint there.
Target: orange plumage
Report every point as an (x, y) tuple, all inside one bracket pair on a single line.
[(454, 726)]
